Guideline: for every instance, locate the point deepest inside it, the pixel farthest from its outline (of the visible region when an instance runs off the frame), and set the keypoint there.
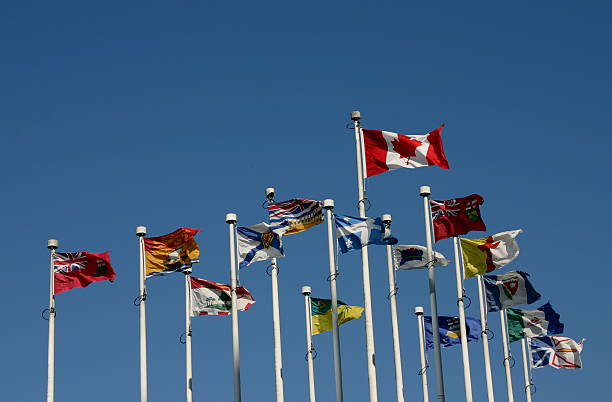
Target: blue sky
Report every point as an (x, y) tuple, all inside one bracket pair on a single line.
[(170, 114)]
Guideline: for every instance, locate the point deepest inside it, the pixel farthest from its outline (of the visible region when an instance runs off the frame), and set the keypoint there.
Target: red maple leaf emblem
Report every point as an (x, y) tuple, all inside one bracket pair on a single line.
[(405, 146)]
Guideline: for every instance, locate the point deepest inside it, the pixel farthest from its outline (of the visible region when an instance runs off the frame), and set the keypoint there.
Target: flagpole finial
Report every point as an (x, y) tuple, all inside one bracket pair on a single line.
[(328, 204), (425, 191), (386, 218), (270, 194), (52, 244), (355, 115), (231, 218), (306, 291), (141, 231), (418, 310)]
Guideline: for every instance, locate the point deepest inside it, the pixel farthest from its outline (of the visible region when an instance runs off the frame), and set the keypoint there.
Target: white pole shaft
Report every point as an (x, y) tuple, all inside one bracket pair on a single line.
[(365, 268), (188, 365), (433, 301), (278, 354), (235, 333), (311, 381), (502, 318), (51, 345), (467, 377), (485, 339), (421, 324), (526, 370), (399, 381), (334, 302), (143, 325)]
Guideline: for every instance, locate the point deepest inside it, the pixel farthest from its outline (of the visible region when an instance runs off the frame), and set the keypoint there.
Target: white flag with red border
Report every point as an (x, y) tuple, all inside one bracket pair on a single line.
[(212, 298)]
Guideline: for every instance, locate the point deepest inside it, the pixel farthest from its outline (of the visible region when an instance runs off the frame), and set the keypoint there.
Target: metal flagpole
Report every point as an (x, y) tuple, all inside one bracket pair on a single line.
[(418, 311), (399, 381), (309, 349), (231, 220), (507, 355), (526, 369), (52, 245), (333, 273), (485, 339), (467, 377), (188, 366), (365, 268), (425, 192), (141, 232)]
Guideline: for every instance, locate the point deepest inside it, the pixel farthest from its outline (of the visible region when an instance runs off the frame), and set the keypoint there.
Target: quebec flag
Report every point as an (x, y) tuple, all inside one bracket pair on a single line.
[(354, 233), (260, 242)]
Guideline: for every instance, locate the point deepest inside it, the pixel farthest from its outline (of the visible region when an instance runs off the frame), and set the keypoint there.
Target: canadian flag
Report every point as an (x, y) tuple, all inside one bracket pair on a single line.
[(386, 151)]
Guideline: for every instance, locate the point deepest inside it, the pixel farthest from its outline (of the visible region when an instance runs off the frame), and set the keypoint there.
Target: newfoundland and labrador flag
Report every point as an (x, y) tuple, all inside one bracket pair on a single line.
[(354, 233), (174, 252), (450, 332), (489, 253), (78, 270), (457, 216), (532, 323), (298, 214), (322, 314), (415, 257), (556, 351), (212, 298), (386, 151), (510, 289), (260, 242)]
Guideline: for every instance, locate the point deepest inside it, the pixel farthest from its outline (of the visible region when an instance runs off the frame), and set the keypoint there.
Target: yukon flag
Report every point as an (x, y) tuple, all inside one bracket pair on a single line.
[(386, 151), (212, 298)]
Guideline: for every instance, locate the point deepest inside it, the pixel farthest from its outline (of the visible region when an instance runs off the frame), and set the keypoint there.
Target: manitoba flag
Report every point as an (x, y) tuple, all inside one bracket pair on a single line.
[(78, 270), (386, 151)]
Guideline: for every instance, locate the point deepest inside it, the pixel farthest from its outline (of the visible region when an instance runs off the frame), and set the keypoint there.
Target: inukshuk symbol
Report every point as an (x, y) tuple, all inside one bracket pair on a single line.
[(405, 147), (486, 248)]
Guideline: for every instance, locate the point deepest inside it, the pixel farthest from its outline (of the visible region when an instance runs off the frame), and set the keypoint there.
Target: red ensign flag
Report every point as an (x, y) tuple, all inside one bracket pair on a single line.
[(78, 270)]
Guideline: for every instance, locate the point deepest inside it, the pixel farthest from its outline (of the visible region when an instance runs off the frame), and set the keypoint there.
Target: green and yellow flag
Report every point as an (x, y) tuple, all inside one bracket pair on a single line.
[(174, 252), (322, 314), (489, 253)]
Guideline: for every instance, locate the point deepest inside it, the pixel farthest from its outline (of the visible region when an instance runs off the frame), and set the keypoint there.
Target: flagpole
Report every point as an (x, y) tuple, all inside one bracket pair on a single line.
[(526, 370), (485, 339), (467, 376), (365, 268), (425, 192), (306, 291), (231, 220), (188, 365), (52, 245), (141, 232), (399, 381), (328, 205), (418, 311), (507, 355)]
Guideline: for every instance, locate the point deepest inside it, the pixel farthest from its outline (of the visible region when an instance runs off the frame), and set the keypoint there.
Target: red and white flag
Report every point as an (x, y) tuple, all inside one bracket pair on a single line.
[(386, 151), (212, 298), (78, 270)]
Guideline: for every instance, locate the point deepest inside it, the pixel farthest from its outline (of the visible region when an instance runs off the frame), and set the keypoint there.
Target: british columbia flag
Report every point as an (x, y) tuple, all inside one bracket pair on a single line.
[(298, 214)]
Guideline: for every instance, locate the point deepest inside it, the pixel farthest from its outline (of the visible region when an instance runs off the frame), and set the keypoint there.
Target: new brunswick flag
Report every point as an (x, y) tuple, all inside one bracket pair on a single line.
[(322, 314), (174, 252), (487, 254)]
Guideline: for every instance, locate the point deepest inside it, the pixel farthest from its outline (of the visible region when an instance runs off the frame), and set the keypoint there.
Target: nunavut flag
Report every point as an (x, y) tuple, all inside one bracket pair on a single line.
[(457, 216), (489, 253), (78, 270), (174, 252)]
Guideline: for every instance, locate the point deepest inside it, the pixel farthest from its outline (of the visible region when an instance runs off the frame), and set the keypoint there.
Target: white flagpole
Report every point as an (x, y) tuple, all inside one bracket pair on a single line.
[(52, 245), (307, 306), (526, 369), (399, 381), (418, 311), (329, 206), (467, 377), (141, 232), (365, 268), (485, 339), (425, 192), (231, 220), (188, 365), (507, 355)]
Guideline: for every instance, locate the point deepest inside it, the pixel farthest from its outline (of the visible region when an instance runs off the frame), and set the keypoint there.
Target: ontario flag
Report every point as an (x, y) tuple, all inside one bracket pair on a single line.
[(457, 216), (78, 270), (386, 151)]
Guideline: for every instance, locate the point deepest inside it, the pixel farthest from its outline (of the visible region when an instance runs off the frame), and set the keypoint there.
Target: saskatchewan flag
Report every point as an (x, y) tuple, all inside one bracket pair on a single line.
[(533, 323), (322, 314)]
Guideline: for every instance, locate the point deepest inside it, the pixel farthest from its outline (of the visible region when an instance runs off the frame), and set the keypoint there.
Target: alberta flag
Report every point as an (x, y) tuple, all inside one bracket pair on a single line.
[(533, 323), (415, 257), (507, 290), (259, 242), (450, 332), (354, 233), (556, 351)]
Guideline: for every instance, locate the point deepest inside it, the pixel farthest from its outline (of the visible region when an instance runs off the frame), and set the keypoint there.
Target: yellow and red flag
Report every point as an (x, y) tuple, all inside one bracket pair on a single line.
[(174, 252), (489, 253)]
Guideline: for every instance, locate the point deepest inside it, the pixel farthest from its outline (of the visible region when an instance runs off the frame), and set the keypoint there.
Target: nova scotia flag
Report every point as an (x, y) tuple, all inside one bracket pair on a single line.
[(354, 233), (260, 242)]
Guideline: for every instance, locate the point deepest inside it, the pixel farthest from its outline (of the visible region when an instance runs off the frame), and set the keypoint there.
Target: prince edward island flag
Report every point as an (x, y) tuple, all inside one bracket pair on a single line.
[(354, 233)]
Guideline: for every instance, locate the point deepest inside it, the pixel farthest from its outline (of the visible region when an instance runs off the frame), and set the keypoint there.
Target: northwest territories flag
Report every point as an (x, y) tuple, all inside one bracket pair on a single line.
[(533, 323), (298, 214), (415, 257), (450, 333), (510, 289), (211, 298), (556, 351), (322, 314), (259, 242), (354, 233)]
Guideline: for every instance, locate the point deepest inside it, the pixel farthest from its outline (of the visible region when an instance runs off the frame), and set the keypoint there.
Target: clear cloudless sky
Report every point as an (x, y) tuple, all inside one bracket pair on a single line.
[(171, 114)]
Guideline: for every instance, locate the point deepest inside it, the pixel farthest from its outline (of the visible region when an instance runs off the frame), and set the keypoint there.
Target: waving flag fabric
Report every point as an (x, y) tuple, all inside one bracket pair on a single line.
[(457, 216), (489, 253), (386, 151), (259, 242), (322, 314), (450, 333), (510, 289), (415, 257), (532, 323), (212, 298), (354, 233), (78, 270), (556, 351), (298, 214), (174, 252)]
